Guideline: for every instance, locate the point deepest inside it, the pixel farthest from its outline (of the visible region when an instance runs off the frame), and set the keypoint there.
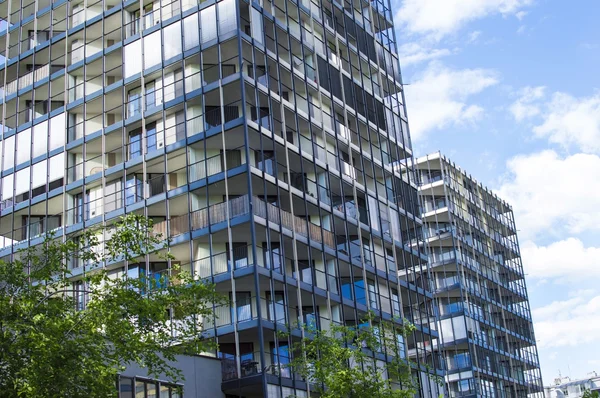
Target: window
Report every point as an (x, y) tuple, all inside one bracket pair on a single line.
[(179, 126), (227, 17), (367, 251), (172, 40), (265, 161), (145, 388), (276, 307), (208, 23), (260, 116), (135, 144), (151, 137), (305, 270), (256, 22), (152, 42), (273, 258), (134, 24), (280, 359), (80, 294), (149, 19), (240, 255), (133, 58), (80, 207), (243, 307), (373, 302), (134, 105), (33, 226), (310, 317), (9, 153), (125, 387), (395, 303), (23, 146), (191, 32), (156, 183), (212, 118), (40, 139), (150, 96), (134, 189), (227, 353), (389, 256)]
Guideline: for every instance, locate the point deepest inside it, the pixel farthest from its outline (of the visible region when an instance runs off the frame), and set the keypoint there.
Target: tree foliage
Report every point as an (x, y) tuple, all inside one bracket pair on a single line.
[(590, 394), (341, 362), (51, 348)]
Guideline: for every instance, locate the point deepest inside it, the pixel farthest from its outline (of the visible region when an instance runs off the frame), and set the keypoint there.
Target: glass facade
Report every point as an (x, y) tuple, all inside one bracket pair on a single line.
[(265, 139), (486, 333)]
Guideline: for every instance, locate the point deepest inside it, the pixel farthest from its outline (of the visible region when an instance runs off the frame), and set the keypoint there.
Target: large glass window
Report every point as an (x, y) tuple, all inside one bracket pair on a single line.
[(256, 25), (276, 307), (151, 142), (265, 161), (191, 32), (134, 189), (9, 153), (172, 40), (240, 255), (132, 63), (227, 18), (23, 146), (243, 306), (7, 191), (57, 132), (152, 44), (134, 102), (208, 22), (56, 170), (40, 139), (273, 258), (38, 177), (280, 358)]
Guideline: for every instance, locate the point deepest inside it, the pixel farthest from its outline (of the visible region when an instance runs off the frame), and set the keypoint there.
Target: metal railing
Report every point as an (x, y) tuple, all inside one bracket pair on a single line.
[(292, 222)]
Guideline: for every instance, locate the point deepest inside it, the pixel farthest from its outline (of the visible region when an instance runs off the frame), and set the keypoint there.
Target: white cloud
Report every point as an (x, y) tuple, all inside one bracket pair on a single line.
[(568, 323), (439, 97), (438, 18), (553, 194), (473, 36), (527, 106), (566, 259), (414, 53), (520, 15), (564, 119), (572, 121)]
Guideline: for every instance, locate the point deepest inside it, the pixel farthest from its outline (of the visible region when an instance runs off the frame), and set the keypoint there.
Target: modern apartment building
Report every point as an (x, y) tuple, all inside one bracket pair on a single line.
[(565, 387), (486, 332), (263, 138)]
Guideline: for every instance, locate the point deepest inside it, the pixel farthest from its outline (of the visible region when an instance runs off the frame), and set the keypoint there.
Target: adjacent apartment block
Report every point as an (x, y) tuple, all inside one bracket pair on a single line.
[(486, 333), (564, 387), (263, 138)]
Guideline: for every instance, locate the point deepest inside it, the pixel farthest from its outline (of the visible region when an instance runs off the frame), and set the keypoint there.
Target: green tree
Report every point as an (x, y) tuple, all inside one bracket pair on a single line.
[(590, 394), (340, 362), (51, 347)]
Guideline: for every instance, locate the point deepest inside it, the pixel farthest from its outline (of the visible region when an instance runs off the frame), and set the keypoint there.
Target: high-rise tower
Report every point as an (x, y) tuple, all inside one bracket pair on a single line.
[(486, 332), (264, 138)]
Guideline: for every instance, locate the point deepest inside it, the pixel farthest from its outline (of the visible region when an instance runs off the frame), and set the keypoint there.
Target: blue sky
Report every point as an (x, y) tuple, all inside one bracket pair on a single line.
[(510, 91)]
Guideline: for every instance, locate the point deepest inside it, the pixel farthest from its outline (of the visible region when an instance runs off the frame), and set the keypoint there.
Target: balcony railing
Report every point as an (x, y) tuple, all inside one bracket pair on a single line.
[(294, 223), (27, 80)]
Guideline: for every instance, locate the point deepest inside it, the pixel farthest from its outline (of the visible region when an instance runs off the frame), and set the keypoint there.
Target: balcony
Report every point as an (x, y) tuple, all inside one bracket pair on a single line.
[(26, 80), (223, 211)]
